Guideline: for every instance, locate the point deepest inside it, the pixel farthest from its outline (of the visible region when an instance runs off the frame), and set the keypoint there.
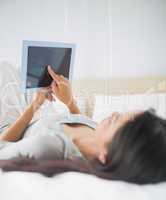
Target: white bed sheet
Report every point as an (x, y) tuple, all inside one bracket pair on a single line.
[(74, 186)]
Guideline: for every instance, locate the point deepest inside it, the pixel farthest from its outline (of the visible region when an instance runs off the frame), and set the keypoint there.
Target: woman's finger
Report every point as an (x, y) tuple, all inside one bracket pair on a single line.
[(54, 87), (49, 96), (53, 74)]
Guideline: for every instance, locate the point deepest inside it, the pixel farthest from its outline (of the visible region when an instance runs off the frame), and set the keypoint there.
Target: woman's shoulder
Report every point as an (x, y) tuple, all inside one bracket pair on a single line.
[(71, 118), (65, 117), (83, 119)]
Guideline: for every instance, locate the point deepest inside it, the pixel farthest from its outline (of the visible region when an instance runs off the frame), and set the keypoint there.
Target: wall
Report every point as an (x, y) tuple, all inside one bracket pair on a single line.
[(138, 35), (115, 38), (80, 21)]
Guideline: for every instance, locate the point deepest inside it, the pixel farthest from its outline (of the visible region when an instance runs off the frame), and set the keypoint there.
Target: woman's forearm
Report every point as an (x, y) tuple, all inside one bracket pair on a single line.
[(14, 132)]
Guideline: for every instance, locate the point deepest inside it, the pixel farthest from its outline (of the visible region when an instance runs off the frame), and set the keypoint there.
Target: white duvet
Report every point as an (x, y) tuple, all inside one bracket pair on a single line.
[(73, 186)]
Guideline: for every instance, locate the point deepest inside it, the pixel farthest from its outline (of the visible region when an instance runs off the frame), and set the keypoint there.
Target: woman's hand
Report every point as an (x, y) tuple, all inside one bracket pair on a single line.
[(41, 96), (61, 87)]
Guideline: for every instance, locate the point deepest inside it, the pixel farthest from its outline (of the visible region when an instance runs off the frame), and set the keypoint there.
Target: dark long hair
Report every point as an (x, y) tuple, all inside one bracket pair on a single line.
[(137, 154)]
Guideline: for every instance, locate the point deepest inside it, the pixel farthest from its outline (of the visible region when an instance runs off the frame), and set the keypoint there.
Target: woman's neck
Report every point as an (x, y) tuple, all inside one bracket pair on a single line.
[(88, 146)]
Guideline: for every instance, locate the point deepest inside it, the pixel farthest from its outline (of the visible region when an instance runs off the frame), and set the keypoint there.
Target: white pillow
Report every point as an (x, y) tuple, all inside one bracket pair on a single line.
[(106, 104), (12, 101)]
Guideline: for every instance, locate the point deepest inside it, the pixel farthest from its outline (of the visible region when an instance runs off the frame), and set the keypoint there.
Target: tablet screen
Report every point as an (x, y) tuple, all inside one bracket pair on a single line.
[(39, 58), (36, 58)]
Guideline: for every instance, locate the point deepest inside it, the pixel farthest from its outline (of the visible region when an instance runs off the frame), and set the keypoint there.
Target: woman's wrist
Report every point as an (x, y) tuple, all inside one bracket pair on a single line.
[(73, 108), (35, 105)]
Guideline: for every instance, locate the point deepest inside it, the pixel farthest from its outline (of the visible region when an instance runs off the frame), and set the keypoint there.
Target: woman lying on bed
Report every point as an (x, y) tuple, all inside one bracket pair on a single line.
[(129, 146)]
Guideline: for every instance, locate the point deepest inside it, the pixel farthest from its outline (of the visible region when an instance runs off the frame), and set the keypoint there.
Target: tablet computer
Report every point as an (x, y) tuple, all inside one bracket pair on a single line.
[(37, 55)]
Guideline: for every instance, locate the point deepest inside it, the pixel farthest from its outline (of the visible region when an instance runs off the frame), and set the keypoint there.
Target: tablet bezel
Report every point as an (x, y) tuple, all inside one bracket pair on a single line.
[(27, 43)]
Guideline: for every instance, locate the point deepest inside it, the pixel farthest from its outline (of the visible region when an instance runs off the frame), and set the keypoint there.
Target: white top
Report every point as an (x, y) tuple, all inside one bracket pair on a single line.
[(45, 139)]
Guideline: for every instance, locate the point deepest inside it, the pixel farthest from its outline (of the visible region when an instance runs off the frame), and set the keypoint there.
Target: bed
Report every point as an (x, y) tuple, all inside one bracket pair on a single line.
[(97, 102), (72, 185)]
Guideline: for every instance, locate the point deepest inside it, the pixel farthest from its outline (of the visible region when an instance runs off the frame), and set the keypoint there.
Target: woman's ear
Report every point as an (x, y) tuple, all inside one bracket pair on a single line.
[(102, 156)]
